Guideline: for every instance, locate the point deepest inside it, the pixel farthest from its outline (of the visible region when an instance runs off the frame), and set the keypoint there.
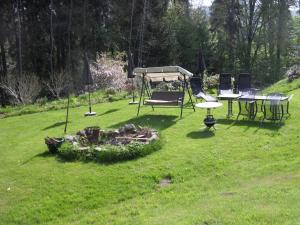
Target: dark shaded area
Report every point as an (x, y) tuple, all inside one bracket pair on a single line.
[(42, 154), (201, 134), (108, 112), (159, 122), (251, 123), (58, 124)]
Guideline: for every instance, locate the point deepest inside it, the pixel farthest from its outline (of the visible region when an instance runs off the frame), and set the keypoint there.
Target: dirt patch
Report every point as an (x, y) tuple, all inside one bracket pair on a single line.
[(166, 181)]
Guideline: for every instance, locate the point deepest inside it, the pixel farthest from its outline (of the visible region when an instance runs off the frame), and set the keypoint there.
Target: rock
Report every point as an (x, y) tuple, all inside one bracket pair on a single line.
[(121, 130), (112, 134), (293, 72), (81, 133), (70, 138), (129, 128)]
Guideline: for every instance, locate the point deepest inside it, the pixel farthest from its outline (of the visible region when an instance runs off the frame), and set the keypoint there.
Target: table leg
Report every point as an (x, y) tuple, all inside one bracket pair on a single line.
[(208, 112), (229, 111)]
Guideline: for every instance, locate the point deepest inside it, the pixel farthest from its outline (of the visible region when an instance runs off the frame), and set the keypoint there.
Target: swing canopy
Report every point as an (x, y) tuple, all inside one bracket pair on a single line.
[(164, 73)]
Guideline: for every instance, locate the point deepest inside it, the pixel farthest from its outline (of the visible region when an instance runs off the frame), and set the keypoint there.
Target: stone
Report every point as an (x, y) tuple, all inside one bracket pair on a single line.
[(129, 128), (70, 138), (112, 134), (154, 137), (81, 133)]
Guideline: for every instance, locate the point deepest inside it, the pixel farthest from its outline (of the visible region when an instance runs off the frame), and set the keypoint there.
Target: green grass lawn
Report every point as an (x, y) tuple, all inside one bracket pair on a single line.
[(243, 173)]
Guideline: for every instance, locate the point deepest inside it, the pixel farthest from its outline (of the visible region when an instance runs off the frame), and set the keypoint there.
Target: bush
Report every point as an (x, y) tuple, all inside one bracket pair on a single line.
[(41, 101), (107, 72), (113, 153), (108, 153), (211, 81), (68, 151)]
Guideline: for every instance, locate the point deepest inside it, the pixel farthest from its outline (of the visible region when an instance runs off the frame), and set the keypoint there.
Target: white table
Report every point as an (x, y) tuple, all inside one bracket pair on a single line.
[(209, 121), (263, 97), (230, 97)]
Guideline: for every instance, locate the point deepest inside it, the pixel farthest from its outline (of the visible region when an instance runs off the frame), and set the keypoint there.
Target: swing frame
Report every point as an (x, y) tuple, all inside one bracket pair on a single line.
[(163, 74)]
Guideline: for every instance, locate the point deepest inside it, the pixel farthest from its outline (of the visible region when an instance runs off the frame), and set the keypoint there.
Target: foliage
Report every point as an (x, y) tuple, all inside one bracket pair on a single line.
[(252, 36), (107, 72), (24, 89), (51, 39), (112, 153), (186, 36), (43, 104), (108, 153), (68, 152), (57, 83), (210, 82)]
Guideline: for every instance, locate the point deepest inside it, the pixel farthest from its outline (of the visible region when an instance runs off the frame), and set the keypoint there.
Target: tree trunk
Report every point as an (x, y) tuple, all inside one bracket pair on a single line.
[(3, 59)]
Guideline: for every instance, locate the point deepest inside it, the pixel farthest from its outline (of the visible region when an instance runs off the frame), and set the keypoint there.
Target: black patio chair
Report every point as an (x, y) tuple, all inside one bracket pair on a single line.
[(244, 82), (197, 90), (273, 108), (286, 106), (248, 105), (225, 85)]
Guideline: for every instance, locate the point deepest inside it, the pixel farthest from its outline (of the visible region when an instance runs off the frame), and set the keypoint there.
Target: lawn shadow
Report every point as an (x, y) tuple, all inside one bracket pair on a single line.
[(108, 112), (58, 124), (204, 133), (251, 123), (159, 122), (44, 154)]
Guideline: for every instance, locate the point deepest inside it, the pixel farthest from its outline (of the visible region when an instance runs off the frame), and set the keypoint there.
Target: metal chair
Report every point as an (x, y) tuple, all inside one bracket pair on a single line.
[(244, 82), (197, 90), (286, 106), (273, 108), (225, 85), (248, 105)]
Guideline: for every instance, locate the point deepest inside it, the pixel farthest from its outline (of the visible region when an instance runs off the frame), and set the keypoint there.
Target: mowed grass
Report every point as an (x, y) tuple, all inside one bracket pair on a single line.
[(242, 173)]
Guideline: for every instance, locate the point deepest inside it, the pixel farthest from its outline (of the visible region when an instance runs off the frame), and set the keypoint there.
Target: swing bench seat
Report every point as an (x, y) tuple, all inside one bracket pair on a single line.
[(165, 98)]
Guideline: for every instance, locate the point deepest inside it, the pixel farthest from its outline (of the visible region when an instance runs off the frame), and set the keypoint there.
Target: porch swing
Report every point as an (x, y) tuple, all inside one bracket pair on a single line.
[(158, 99)]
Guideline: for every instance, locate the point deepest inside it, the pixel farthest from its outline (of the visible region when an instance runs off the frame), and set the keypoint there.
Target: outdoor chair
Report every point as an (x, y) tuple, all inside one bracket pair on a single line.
[(273, 108), (225, 85), (248, 106), (197, 90), (286, 106), (244, 82)]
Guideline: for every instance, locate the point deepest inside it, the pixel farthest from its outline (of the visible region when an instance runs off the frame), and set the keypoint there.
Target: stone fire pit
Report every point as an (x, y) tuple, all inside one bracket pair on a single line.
[(127, 142)]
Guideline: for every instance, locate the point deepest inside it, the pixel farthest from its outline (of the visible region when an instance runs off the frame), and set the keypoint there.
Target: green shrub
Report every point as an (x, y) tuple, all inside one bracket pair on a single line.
[(110, 91), (68, 152), (108, 153), (41, 101), (112, 153)]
